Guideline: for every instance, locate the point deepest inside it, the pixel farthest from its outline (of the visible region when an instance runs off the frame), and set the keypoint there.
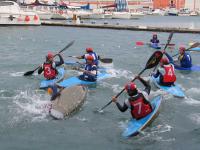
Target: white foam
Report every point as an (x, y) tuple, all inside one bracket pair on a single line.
[(121, 73), (195, 118), (32, 105), (192, 101), (17, 74), (83, 119), (193, 91)]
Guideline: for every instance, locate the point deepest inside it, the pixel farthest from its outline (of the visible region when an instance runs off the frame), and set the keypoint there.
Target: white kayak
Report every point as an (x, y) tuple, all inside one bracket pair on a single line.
[(70, 100)]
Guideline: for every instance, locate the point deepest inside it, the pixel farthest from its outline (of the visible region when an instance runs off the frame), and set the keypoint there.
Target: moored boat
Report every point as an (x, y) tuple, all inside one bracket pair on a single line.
[(12, 14)]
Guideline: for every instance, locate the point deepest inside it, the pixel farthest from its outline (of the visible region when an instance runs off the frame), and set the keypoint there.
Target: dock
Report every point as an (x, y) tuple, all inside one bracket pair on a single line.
[(122, 27)]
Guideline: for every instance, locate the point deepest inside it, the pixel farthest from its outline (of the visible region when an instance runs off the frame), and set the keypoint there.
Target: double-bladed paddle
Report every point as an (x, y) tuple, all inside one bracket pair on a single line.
[(66, 47), (140, 43), (152, 62), (189, 49), (103, 60)]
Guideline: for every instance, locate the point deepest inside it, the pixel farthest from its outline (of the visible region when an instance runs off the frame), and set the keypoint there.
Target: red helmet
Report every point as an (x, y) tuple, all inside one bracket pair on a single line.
[(154, 34), (50, 55), (130, 87), (89, 57), (182, 49), (164, 61), (89, 49)]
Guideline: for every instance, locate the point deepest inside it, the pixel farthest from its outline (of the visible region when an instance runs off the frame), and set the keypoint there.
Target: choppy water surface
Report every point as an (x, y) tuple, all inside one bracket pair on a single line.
[(25, 123)]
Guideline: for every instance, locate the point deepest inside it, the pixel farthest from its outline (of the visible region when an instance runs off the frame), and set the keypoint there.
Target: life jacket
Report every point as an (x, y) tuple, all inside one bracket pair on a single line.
[(138, 108), (90, 67), (185, 60), (169, 75), (154, 40), (94, 55), (49, 71)]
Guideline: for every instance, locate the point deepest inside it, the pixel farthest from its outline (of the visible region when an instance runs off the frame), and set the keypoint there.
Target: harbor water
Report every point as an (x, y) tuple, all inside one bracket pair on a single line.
[(25, 123)]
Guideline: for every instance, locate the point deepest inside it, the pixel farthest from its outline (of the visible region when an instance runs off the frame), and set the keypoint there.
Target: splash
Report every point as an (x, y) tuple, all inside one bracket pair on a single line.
[(31, 105), (17, 74), (195, 118)]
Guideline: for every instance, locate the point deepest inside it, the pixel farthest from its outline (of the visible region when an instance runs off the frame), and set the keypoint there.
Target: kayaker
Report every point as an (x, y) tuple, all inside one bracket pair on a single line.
[(154, 41), (169, 77), (90, 72), (49, 66), (138, 100), (184, 58), (54, 91), (90, 51)]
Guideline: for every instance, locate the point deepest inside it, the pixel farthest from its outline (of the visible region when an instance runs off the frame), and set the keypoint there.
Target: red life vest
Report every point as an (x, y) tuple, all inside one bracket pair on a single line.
[(169, 75), (49, 71), (138, 108)]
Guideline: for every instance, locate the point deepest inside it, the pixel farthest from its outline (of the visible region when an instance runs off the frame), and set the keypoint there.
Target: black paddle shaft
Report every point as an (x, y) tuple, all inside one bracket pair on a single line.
[(192, 46), (32, 71), (153, 61)]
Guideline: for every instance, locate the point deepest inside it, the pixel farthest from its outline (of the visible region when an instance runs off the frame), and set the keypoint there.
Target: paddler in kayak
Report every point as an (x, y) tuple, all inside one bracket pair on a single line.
[(184, 58), (169, 77), (49, 66), (154, 41), (90, 51), (90, 72), (138, 100), (54, 90)]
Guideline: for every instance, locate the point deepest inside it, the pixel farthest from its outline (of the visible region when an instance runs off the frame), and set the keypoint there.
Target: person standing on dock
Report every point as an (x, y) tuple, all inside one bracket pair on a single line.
[(90, 51), (90, 72), (49, 66), (138, 100), (154, 41)]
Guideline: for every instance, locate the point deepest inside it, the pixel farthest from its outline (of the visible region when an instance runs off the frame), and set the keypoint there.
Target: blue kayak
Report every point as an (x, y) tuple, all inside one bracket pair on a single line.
[(155, 46), (76, 81), (196, 49), (60, 76), (175, 90), (135, 126), (75, 64), (193, 68)]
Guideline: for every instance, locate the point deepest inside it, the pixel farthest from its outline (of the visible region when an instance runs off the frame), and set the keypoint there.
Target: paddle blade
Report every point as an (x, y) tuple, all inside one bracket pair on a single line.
[(29, 73), (139, 43), (169, 39), (194, 45), (154, 59), (106, 60)]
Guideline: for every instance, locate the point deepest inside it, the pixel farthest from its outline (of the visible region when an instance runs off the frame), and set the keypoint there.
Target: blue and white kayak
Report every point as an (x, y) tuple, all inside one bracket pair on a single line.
[(193, 68), (175, 90), (196, 49), (76, 81), (155, 46), (135, 126), (60, 76)]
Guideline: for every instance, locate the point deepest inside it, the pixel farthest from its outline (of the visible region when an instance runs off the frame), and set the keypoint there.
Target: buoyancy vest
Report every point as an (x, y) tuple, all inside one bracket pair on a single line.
[(169, 75), (94, 55), (139, 108), (49, 71)]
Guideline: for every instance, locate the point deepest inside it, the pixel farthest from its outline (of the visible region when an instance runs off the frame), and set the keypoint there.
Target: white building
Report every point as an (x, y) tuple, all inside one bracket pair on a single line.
[(192, 4)]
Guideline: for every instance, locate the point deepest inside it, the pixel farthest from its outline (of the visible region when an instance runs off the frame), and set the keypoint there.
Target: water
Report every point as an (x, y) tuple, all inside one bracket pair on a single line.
[(25, 123)]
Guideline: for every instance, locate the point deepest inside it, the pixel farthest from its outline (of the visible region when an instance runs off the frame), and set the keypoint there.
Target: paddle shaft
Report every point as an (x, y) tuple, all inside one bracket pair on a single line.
[(168, 41), (188, 49), (31, 72), (121, 91)]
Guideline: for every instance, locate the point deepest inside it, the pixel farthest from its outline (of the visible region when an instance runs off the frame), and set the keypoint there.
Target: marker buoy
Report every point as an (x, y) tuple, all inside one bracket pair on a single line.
[(27, 18)]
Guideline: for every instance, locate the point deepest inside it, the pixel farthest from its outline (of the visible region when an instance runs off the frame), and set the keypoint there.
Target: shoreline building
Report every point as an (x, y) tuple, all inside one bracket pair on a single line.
[(192, 4), (161, 4)]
